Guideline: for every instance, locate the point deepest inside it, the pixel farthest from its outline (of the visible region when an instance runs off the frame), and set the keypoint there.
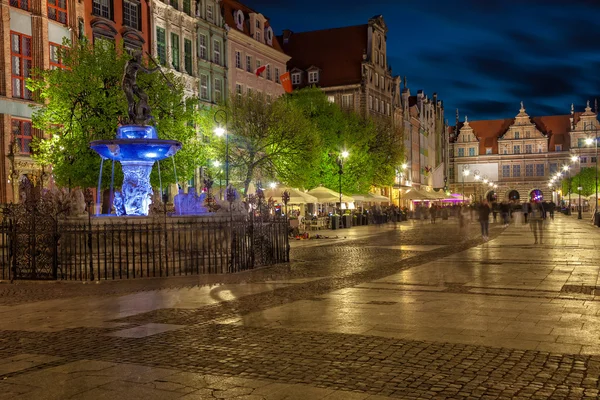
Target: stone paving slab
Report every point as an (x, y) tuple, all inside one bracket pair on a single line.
[(145, 330), (88, 379), (349, 325)]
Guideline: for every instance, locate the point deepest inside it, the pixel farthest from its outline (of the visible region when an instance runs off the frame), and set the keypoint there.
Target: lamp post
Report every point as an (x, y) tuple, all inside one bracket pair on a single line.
[(575, 159), (217, 164), (343, 155), (566, 169), (477, 177), (465, 172), (221, 116), (589, 141)]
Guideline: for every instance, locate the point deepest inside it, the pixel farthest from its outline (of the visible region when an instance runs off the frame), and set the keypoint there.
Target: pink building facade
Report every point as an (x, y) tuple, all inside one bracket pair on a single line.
[(252, 44)]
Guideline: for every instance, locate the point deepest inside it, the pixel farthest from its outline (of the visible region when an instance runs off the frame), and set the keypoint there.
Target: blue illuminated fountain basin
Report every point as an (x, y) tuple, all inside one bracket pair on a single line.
[(137, 148)]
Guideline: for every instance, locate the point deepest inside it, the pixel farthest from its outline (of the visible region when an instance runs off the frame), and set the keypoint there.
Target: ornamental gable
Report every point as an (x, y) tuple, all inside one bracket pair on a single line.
[(466, 133)]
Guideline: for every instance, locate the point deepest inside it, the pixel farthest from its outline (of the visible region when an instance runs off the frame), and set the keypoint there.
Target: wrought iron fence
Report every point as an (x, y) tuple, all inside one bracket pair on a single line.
[(37, 246)]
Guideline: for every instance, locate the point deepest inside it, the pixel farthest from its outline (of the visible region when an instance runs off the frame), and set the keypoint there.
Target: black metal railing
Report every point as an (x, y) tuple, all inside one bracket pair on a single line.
[(151, 247)]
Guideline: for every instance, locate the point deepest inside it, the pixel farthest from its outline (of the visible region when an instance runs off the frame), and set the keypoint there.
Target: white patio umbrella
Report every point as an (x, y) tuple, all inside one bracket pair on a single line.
[(370, 197), (414, 194), (325, 195), (377, 198), (296, 196)]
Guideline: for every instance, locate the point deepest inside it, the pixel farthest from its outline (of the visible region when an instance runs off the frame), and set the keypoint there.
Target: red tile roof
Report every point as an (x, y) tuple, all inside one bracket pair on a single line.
[(556, 127), (228, 7), (337, 52)]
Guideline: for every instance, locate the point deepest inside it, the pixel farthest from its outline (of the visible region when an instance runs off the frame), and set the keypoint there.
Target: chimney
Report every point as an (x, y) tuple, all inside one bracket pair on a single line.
[(286, 35)]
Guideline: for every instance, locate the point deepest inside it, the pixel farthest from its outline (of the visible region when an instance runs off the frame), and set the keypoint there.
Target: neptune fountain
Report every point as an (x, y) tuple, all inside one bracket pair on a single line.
[(136, 147)]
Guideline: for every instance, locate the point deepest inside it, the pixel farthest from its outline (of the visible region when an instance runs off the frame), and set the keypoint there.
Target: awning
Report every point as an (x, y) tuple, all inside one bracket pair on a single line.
[(296, 196), (414, 194), (436, 195), (325, 195), (377, 198)]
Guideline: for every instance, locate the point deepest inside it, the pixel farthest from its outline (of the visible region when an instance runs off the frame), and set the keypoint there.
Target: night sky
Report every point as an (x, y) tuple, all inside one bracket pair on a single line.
[(481, 56)]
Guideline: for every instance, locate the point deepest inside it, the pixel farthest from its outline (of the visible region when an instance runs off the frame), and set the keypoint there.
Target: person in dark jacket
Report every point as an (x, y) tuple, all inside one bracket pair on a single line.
[(537, 220), (504, 212), (484, 219)]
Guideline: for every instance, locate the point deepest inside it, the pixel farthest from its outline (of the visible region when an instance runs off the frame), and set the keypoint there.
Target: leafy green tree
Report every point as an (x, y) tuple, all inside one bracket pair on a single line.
[(373, 146), (268, 140), (587, 177), (85, 102)]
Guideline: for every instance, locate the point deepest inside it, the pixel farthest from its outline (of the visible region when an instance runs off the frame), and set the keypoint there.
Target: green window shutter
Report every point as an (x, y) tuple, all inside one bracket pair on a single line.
[(187, 7), (187, 48), (161, 46), (175, 50)]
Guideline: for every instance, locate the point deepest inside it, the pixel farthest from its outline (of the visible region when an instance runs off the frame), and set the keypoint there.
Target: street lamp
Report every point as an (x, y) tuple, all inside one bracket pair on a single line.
[(217, 164), (566, 169), (589, 141), (221, 117), (575, 159), (343, 155), (465, 172), (477, 177)]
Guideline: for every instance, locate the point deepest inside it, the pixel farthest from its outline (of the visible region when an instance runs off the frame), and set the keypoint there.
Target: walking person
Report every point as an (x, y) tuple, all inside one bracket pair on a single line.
[(432, 212), (504, 212), (484, 219), (537, 220), (551, 207), (525, 207)]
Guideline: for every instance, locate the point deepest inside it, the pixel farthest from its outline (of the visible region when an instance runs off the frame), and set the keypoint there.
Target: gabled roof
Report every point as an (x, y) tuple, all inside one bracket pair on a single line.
[(555, 127), (228, 7), (337, 52)]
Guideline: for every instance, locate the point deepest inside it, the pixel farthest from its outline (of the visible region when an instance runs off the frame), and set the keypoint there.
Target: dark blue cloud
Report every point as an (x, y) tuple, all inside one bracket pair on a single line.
[(482, 57)]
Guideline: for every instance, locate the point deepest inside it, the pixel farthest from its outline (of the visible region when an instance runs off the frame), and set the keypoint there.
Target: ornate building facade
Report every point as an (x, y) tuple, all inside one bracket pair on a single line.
[(520, 154), (423, 141), (350, 64), (31, 32), (116, 20), (252, 44)]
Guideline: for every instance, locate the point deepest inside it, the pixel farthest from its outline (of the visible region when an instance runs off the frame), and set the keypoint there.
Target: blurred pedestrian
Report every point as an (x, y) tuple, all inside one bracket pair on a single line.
[(504, 212), (536, 219), (484, 219)]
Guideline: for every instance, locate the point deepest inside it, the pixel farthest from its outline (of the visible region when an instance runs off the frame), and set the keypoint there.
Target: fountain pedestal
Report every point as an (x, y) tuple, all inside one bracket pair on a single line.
[(137, 148)]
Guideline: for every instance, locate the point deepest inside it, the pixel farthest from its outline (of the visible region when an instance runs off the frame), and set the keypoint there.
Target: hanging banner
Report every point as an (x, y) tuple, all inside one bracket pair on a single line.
[(286, 82)]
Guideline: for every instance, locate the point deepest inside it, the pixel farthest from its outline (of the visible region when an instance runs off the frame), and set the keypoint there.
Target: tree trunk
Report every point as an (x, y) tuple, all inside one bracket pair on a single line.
[(248, 179)]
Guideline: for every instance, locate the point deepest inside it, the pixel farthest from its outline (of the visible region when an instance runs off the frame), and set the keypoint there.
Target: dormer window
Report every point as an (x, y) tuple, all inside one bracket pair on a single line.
[(313, 76), (296, 78)]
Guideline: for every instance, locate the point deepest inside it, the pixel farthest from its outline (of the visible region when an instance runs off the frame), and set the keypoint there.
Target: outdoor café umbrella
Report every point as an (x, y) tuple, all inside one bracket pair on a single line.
[(296, 196), (414, 194), (377, 198), (370, 198), (325, 195)]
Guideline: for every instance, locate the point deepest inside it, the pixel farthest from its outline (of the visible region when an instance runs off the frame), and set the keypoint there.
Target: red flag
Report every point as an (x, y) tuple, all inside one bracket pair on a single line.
[(286, 82), (260, 69)]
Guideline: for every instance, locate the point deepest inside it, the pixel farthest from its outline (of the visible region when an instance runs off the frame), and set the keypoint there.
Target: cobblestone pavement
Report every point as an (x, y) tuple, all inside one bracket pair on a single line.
[(355, 318)]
